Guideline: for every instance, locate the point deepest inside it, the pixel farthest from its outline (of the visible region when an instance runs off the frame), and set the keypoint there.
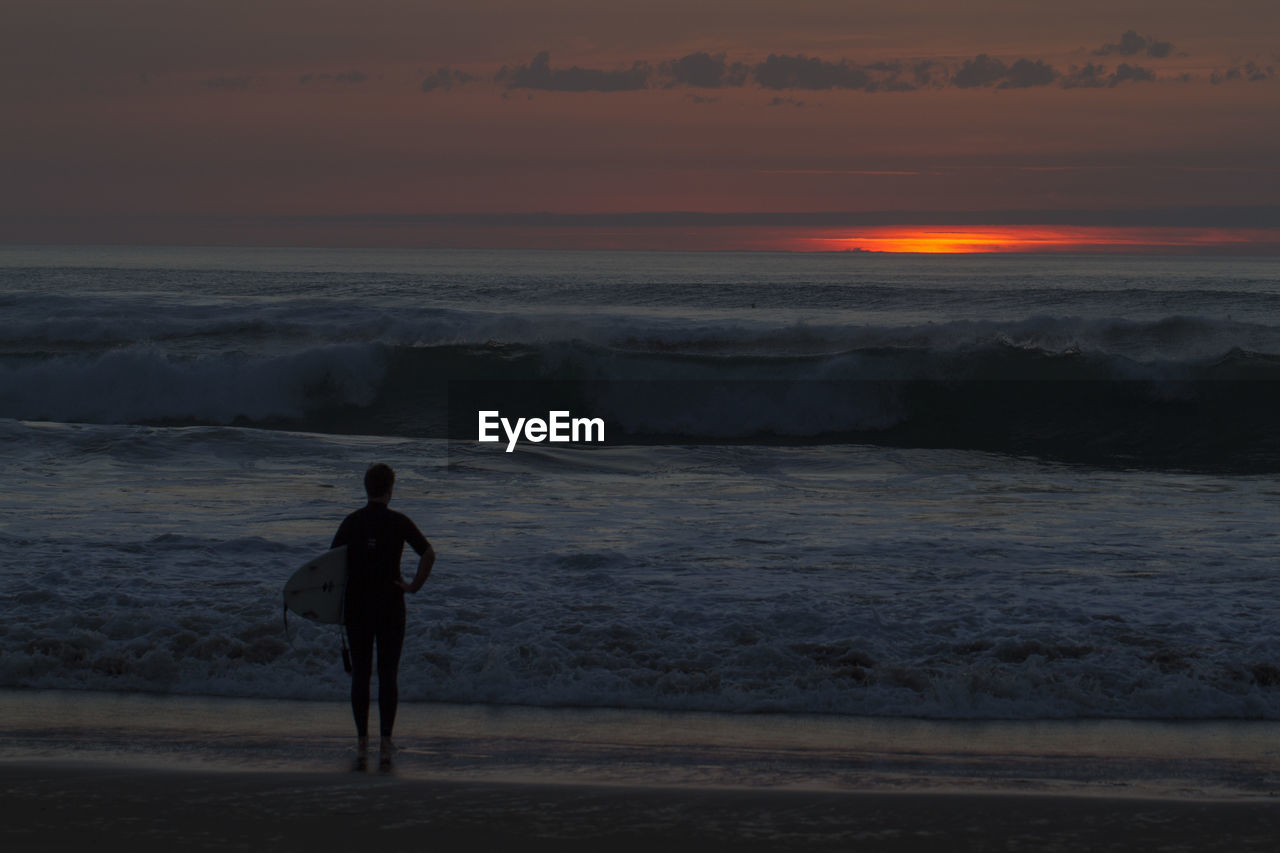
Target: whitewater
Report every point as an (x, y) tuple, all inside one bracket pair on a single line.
[(954, 488)]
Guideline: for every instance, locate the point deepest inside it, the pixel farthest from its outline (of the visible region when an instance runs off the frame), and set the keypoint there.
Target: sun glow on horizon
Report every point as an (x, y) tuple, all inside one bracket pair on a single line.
[(943, 239)]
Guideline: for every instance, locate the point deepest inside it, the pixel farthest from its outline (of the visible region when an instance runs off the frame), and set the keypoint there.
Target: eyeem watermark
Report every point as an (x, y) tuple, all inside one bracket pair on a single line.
[(559, 427)]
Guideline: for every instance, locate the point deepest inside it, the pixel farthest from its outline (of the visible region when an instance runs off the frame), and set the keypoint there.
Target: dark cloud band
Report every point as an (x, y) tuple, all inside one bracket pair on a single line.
[(781, 72)]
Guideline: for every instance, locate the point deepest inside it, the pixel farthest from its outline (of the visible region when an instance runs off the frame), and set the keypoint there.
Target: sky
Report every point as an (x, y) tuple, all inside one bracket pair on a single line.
[(919, 125)]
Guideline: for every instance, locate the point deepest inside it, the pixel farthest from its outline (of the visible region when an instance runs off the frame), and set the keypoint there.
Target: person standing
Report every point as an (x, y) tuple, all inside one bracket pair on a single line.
[(373, 611)]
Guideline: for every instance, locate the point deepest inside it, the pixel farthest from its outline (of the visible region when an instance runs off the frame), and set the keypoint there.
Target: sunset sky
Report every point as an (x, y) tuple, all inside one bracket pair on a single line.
[(1124, 125)]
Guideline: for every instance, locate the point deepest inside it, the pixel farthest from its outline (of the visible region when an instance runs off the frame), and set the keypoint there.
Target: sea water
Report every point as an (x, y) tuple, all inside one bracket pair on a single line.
[(987, 487)]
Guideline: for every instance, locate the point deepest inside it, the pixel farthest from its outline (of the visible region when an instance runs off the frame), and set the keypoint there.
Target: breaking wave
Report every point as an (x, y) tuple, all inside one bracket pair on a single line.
[(1028, 388)]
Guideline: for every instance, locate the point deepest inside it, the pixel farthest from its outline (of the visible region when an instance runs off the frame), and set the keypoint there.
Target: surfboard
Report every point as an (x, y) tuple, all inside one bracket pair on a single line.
[(316, 590)]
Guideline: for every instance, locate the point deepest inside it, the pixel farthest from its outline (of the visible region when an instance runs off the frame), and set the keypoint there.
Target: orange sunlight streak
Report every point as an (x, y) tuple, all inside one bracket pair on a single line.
[(1039, 238)]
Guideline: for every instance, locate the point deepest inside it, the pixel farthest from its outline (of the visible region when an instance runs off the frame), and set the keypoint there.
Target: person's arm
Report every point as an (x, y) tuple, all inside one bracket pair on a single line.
[(426, 560)]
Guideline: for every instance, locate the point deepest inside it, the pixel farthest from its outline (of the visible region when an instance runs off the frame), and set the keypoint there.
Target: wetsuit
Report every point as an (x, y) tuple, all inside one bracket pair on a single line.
[(374, 608)]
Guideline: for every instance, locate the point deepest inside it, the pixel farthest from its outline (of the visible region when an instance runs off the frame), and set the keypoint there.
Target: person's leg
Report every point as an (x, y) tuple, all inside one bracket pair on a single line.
[(390, 644), (361, 638)]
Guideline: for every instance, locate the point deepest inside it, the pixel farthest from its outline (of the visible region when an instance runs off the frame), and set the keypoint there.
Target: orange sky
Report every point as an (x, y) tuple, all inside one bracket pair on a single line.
[(301, 122)]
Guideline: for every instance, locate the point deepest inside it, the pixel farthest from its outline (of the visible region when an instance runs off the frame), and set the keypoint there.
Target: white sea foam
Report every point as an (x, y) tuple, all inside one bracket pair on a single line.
[(928, 584), (837, 577)]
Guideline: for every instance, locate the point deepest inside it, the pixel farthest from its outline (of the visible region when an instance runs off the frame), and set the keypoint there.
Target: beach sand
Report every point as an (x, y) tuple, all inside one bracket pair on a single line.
[(116, 771), (61, 806)]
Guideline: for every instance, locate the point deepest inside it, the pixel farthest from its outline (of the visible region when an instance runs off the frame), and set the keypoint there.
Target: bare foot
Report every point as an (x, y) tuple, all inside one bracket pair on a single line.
[(386, 747), (362, 744)]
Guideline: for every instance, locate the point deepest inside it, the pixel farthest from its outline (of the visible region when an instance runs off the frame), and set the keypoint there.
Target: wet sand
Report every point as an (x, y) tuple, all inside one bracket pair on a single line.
[(83, 770), (56, 805)]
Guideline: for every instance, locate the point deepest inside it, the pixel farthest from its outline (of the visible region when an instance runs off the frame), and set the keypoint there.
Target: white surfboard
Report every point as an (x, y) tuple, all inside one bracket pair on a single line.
[(316, 590)]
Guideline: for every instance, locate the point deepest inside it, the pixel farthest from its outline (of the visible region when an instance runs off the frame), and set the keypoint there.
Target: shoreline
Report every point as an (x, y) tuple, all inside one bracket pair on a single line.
[(1224, 761)]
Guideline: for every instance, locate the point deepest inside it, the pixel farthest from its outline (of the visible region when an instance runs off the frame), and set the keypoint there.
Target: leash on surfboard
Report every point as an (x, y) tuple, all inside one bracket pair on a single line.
[(285, 601)]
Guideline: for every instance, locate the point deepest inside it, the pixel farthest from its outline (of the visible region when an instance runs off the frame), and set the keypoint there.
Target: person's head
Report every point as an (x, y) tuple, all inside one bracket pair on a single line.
[(378, 481)]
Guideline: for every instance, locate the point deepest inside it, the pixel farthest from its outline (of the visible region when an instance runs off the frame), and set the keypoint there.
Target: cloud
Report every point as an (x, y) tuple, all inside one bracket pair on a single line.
[(803, 72), (540, 75), (983, 70), (1024, 73), (1251, 71), (445, 79), (1089, 77), (1126, 73), (1094, 76), (704, 71), (798, 72), (786, 102), (1257, 74), (1132, 44), (782, 72), (923, 72)]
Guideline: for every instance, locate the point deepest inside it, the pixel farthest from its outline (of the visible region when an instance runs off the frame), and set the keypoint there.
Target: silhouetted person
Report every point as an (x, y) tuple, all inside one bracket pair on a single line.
[(374, 608)]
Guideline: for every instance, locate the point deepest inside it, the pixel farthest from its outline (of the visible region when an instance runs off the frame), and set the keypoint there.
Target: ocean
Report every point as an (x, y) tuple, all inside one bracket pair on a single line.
[(874, 486)]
